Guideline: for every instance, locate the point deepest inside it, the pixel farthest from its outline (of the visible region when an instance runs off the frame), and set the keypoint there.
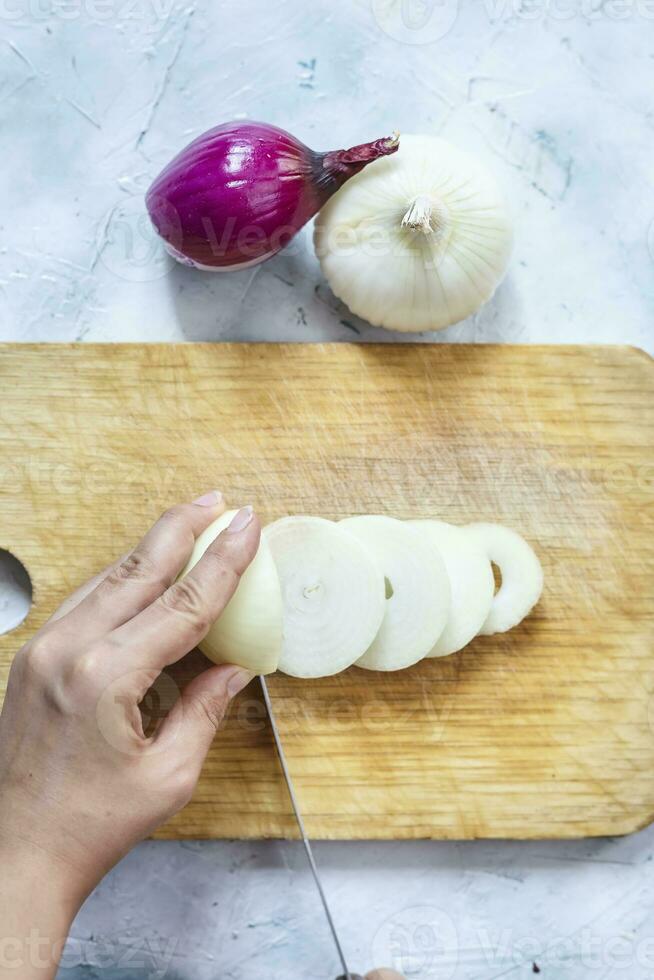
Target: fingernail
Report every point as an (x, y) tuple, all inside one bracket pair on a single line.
[(209, 499), (241, 519), (238, 680)]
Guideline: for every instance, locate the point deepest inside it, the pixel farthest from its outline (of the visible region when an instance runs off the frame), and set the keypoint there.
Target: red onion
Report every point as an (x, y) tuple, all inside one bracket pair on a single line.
[(238, 194)]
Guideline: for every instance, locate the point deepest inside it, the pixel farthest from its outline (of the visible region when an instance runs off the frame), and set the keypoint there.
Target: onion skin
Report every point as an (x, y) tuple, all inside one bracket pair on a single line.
[(237, 194)]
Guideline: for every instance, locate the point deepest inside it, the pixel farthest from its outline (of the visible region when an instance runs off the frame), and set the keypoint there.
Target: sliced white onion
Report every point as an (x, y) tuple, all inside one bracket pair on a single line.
[(249, 631), (417, 589), (471, 582), (333, 595), (522, 575)]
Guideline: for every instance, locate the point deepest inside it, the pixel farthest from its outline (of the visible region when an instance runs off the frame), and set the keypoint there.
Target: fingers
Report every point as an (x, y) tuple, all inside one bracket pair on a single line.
[(181, 617), (76, 597), (383, 974), (124, 589), (191, 725)]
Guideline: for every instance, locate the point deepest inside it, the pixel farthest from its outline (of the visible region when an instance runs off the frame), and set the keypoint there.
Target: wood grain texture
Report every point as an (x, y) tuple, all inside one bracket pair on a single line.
[(547, 731)]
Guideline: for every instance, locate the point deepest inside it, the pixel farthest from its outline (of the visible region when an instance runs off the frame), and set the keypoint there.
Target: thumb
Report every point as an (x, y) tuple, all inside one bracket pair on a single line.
[(197, 715)]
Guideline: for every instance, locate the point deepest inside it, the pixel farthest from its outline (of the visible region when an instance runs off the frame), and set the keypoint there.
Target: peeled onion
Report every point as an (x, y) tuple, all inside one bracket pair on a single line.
[(417, 590), (522, 575), (249, 631), (417, 240), (333, 595), (471, 582), (371, 590)]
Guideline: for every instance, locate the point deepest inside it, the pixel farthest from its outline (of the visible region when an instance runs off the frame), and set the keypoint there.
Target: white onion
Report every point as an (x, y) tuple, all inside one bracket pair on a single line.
[(333, 595), (418, 592), (522, 575), (249, 631), (471, 582), (418, 240)]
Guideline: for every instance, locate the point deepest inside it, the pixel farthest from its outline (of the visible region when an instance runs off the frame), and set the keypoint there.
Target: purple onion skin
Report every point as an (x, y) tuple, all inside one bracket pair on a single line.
[(237, 194)]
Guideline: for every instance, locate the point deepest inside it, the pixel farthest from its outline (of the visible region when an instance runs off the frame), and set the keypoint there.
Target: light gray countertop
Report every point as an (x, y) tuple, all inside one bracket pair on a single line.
[(95, 97), (92, 106)]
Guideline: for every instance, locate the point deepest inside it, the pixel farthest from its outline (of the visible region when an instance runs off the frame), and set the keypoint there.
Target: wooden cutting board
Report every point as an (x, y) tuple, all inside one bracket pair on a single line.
[(547, 731)]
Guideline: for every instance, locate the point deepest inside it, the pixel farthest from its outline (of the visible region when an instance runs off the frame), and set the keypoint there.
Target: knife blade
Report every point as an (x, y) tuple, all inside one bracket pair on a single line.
[(303, 834)]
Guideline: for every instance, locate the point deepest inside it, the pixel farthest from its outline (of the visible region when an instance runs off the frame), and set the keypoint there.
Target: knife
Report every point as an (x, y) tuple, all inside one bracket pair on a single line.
[(303, 834)]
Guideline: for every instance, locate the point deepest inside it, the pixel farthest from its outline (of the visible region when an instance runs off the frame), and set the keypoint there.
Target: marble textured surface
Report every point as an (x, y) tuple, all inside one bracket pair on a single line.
[(95, 96)]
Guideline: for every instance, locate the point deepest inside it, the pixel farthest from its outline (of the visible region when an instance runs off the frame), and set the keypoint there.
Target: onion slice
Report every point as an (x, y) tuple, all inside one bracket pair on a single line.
[(471, 582), (417, 590), (333, 595), (249, 631), (522, 575)]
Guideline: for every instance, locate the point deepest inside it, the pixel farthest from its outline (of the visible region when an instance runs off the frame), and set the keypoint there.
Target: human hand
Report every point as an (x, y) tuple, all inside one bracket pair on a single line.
[(384, 974), (80, 781), (381, 974)]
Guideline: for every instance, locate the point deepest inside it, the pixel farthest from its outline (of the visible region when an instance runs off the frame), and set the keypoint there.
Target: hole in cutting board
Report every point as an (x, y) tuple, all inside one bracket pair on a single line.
[(15, 592)]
